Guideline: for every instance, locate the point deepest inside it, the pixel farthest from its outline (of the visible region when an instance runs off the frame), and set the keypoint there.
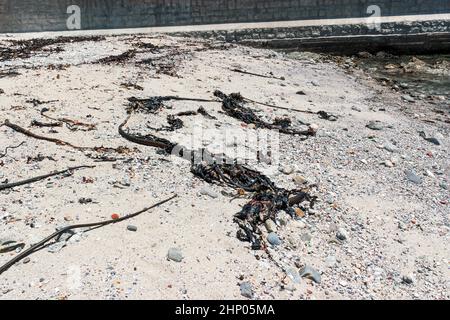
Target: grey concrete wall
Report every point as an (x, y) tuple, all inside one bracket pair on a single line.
[(50, 15)]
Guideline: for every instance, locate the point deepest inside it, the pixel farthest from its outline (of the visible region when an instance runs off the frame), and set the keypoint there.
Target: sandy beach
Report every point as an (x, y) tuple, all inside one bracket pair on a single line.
[(380, 172)]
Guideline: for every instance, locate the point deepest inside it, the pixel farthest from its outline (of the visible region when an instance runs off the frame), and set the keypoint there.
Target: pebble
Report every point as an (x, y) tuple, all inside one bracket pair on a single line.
[(436, 139), (408, 98), (287, 170), (175, 254), (375, 125), (355, 108), (388, 163), (56, 247), (246, 289), (311, 273), (342, 234), (315, 84), (273, 239), (293, 274), (208, 192), (313, 128), (443, 185), (299, 180), (270, 226), (331, 261), (132, 228), (390, 147), (411, 176), (26, 260), (306, 237), (408, 279)]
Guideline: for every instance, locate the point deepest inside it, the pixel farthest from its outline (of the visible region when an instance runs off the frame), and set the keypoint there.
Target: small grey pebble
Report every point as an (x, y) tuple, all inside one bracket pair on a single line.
[(246, 289), (411, 176), (132, 228), (273, 239), (175, 254), (311, 273)]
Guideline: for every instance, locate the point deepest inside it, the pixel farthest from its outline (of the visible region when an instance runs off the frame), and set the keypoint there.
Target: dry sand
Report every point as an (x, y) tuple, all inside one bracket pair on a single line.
[(395, 229)]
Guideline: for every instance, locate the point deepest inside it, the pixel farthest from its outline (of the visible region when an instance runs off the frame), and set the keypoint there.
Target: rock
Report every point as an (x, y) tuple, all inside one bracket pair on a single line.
[(270, 226), (131, 228), (436, 139), (299, 180), (56, 247), (208, 192), (293, 274), (443, 185), (365, 55), (246, 290), (313, 128), (251, 126), (64, 236), (315, 83), (355, 108), (408, 279), (390, 147), (306, 237), (430, 174), (411, 176), (408, 98), (301, 93), (287, 170), (84, 200), (388, 163), (283, 218), (26, 260), (311, 273), (342, 234), (375, 125), (331, 261), (299, 213), (175, 254), (273, 239)]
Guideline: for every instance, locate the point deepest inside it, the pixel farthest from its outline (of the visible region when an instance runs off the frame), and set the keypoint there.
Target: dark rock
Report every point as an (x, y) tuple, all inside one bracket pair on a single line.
[(132, 228)]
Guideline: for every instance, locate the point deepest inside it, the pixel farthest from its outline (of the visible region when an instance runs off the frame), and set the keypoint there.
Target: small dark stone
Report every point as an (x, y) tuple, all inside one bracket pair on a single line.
[(132, 228)]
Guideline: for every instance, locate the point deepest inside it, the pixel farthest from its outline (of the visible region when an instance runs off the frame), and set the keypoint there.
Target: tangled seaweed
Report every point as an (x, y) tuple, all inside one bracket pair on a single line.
[(267, 199), (233, 105)]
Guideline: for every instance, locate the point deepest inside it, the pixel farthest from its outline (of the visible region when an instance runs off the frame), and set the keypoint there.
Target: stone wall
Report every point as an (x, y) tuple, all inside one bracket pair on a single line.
[(397, 37), (51, 15)]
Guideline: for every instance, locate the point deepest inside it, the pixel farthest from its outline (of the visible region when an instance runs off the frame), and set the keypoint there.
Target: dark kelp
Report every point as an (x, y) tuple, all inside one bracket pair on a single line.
[(267, 199)]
